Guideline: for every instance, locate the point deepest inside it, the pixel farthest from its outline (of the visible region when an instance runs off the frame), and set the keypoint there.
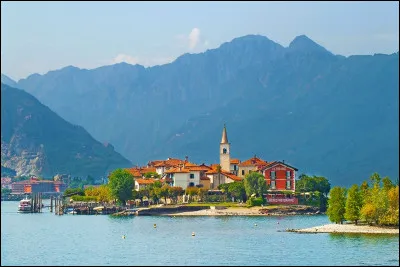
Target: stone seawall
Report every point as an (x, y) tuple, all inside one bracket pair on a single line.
[(170, 210)]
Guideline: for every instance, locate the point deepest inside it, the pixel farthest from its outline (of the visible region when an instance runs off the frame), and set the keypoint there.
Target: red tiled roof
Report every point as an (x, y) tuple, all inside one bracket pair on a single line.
[(232, 176), (189, 164), (145, 181), (204, 178), (178, 170), (235, 161), (135, 172), (254, 161), (198, 168)]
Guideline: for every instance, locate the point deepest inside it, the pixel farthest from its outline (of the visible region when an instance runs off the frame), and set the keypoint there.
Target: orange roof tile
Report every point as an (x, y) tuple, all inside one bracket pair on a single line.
[(189, 164), (198, 168), (178, 170), (254, 161), (232, 176), (204, 178), (149, 169), (135, 172), (235, 161), (145, 181)]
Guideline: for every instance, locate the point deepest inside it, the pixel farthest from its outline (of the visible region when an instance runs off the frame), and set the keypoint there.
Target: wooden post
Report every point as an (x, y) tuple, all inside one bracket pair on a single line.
[(55, 206), (51, 203)]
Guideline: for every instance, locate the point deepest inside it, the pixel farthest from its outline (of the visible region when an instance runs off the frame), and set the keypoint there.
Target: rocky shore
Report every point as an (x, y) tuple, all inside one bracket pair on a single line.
[(347, 228)]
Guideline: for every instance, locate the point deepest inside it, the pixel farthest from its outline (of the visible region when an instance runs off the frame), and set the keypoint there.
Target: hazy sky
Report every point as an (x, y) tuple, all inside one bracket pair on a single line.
[(40, 36)]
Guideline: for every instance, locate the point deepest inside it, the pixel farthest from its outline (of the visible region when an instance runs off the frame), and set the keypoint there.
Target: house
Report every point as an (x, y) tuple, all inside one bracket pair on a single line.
[(35, 185), (161, 166), (142, 183), (234, 166), (251, 165), (281, 178), (222, 177), (186, 175)]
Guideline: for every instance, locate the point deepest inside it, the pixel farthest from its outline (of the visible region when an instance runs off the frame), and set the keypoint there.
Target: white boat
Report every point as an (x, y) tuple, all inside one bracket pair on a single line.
[(25, 205)]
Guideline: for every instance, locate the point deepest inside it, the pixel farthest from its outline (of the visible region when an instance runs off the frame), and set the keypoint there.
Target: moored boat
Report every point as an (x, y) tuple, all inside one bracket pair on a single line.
[(25, 205)]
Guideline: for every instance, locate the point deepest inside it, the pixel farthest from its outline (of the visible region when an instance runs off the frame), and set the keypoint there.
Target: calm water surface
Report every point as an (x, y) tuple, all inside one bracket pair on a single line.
[(47, 239)]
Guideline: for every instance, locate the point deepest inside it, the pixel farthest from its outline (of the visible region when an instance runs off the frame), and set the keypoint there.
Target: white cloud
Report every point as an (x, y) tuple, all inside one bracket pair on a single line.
[(125, 58), (194, 38)]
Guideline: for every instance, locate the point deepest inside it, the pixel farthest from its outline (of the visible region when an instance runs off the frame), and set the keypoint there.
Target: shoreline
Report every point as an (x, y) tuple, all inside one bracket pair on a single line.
[(242, 211), (347, 229)]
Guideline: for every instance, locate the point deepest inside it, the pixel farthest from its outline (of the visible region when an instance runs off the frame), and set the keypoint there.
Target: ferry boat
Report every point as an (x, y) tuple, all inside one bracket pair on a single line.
[(25, 205)]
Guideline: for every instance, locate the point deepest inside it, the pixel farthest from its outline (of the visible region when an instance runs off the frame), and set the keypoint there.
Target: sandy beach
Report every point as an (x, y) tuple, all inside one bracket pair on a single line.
[(347, 228), (222, 212)]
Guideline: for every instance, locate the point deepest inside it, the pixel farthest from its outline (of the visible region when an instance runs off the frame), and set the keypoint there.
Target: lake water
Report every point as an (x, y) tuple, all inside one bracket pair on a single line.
[(47, 239)]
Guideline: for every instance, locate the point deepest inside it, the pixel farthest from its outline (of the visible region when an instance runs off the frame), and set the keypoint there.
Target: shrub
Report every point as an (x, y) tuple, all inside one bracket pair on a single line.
[(255, 201)]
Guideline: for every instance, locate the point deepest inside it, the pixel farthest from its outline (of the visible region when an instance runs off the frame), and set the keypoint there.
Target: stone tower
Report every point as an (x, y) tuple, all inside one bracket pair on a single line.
[(224, 152)]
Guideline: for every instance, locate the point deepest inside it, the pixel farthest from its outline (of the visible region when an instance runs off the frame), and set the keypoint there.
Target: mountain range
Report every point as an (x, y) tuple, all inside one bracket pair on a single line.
[(36, 141), (323, 113)]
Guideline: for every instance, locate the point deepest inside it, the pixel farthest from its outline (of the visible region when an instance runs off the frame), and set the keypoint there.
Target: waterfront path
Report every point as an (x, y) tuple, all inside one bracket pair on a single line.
[(347, 228)]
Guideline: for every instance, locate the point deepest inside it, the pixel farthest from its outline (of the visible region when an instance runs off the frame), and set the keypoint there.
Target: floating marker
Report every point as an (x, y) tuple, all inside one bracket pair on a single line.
[(123, 237), (155, 225), (193, 234), (255, 224)]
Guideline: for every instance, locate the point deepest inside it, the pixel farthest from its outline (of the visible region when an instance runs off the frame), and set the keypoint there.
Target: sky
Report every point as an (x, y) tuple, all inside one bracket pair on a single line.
[(37, 37)]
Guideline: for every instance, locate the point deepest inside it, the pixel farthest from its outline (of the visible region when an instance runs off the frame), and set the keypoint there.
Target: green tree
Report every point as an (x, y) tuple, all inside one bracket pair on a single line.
[(74, 191), (237, 190), (353, 204), (175, 192), (165, 192), (375, 179), (254, 183), (121, 183), (322, 185), (151, 175), (387, 183), (5, 191), (336, 204), (392, 214), (364, 192)]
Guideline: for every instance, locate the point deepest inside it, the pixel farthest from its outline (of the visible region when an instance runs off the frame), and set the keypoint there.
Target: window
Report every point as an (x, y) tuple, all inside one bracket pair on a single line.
[(234, 167), (192, 176), (191, 184), (224, 151), (273, 186), (242, 172), (273, 174), (288, 175), (288, 184)]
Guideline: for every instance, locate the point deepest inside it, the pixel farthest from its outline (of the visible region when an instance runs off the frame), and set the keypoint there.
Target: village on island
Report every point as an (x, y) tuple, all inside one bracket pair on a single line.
[(231, 187), (280, 179)]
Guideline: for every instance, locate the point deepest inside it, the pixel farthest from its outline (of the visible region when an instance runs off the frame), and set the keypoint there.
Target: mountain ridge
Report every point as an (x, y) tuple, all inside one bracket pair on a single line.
[(157, 112), (36, 141)]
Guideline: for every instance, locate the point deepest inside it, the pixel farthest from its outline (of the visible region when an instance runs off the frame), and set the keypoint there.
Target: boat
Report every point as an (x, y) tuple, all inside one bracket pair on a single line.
[(25, 205)]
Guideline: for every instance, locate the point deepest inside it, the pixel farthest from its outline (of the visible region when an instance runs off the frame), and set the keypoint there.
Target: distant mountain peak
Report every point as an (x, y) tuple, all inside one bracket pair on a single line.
[(303, 43), (7, 80)]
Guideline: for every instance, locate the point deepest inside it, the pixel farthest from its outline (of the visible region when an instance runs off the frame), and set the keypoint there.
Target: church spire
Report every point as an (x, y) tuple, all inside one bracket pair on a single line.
[(224, 139)]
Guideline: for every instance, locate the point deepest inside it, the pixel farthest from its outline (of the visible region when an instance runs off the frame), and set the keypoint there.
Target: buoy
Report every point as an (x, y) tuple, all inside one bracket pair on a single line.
[(193, 234), (277, 222), (123, 237), (255, 224), (155, 225)]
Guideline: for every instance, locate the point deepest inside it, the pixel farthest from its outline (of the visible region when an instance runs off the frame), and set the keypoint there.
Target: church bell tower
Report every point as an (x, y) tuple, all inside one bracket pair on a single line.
[(224, 152)]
